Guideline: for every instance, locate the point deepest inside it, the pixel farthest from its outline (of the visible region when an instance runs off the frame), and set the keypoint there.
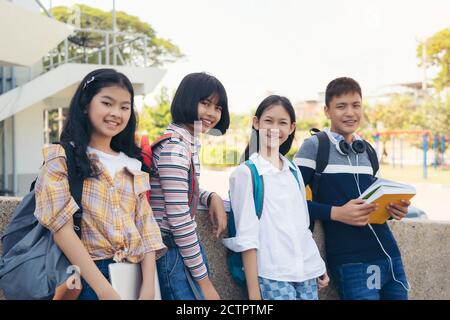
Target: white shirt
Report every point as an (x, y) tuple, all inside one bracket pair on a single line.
[(286, 250), (115, 163)]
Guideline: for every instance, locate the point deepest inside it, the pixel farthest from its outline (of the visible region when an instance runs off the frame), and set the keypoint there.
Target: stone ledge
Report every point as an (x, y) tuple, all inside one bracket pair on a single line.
[(425, 247)]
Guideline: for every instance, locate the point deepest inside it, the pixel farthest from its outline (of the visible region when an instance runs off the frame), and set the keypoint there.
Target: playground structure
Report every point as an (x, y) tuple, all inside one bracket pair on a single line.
[(437, 141)]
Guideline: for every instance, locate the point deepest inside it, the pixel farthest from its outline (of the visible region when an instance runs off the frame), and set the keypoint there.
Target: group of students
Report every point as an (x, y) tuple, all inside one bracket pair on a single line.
[(280, 258)]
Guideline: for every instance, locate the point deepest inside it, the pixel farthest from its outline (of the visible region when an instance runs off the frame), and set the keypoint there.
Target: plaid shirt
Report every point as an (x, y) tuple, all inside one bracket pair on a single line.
[(117, 219)]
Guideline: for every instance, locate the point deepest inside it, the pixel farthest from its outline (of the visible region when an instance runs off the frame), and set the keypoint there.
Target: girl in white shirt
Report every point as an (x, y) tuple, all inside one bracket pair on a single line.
[(280, 258)]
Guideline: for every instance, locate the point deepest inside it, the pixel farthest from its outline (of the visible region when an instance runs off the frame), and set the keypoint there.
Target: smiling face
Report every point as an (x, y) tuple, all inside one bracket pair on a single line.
[(275, 125), (345, 113), (209, 112), (109, 112)]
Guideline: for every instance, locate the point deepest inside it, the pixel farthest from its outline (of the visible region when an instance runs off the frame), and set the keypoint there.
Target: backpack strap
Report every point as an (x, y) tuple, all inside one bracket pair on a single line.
[(147, 148), (372, 157), (323, 154), (160, 139), (193, 190), (192, 180), (146, 152), (295, 173), (258, 187), (75, 184)]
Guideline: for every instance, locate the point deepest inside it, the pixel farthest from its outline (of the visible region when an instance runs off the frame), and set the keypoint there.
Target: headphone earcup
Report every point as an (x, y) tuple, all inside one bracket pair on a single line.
[(343, 147), (358, 146)]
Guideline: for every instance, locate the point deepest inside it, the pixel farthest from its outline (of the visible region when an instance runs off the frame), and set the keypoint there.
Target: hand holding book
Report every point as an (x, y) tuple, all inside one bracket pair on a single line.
[(385, 192), (399, 211)]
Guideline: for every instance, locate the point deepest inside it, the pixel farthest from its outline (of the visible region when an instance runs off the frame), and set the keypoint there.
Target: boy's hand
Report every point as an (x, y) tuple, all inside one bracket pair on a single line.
[(217, 215), (398, 211), (355, 212), (323, 281)]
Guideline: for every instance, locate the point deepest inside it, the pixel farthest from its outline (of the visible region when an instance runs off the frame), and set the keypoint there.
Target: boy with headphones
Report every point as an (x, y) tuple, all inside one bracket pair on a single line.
[(364, 259)]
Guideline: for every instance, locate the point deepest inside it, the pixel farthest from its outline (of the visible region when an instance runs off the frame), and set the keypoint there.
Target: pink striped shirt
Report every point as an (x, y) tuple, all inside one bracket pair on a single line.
[(169, 195)]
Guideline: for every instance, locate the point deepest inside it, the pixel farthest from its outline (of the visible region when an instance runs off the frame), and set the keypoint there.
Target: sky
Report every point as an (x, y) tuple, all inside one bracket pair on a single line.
[(289, 47)]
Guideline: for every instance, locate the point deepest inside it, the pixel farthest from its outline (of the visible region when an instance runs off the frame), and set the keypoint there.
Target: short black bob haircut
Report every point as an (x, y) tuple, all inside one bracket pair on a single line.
[(341, 86), (194, 88)]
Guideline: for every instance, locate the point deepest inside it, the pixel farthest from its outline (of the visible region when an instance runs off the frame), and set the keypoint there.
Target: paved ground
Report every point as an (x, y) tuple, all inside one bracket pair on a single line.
[(434, 199)]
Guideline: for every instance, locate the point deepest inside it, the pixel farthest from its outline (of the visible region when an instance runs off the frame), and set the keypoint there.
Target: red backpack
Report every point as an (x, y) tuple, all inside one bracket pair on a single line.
[(147, 156)]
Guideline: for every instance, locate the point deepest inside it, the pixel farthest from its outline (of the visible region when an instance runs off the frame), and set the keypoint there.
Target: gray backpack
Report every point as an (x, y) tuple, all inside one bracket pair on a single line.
[(32, 265)]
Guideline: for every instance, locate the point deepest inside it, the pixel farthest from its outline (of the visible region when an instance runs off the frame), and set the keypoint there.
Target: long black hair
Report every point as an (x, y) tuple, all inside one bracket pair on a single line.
[(78, 128), (273, 100)]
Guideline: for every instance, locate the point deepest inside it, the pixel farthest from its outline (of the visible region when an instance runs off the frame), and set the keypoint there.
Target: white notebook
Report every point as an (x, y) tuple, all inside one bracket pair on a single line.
[(126, 279)]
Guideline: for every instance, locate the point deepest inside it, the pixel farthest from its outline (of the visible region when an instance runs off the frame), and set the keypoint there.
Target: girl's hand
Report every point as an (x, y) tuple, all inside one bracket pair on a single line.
[(323, 281), (398, 211), (108, 294), (149, 277), (208, 290), (255, 295), (147, 293), (217, 215)]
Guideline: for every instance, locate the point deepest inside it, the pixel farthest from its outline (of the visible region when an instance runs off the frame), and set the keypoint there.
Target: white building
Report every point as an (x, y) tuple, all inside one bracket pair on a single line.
[(30, 92)]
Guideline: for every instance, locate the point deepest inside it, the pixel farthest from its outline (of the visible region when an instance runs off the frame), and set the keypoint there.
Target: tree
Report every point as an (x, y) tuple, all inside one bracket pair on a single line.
[(241, 120), (159, 50), (394, 115), (438, 55), (434, 115), (397, 114), (155, 119)]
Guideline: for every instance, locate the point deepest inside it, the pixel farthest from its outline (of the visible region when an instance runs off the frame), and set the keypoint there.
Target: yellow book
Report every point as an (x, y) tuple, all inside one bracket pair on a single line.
[(384, 192)]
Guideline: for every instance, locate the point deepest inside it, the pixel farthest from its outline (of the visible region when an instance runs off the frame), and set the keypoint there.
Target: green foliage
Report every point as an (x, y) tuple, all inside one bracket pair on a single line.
[(434, 115), (155, 119), (290, 155), (395, 115), (241, 121), (438, 55), (219, 156), (305, 125), (159, 50)]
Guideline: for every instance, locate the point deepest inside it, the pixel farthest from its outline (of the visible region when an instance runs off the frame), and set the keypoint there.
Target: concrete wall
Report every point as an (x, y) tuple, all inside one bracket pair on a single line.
[(29, 140), (7, 143), (425, 247), (27, 149)]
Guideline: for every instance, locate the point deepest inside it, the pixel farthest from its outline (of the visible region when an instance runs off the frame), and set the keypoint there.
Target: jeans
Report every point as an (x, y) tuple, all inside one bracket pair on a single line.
[(371, 281), (175, 280), (87, 293)]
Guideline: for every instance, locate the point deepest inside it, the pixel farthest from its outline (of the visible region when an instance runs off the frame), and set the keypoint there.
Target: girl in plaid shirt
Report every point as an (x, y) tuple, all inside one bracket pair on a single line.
[(117, 223)]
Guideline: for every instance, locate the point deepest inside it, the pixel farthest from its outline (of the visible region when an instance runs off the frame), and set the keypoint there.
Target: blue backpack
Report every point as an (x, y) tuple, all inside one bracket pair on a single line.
[(234, 259)]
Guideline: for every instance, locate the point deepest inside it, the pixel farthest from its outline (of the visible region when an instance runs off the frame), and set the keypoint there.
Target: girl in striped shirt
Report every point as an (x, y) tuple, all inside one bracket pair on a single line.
[(200, 105)]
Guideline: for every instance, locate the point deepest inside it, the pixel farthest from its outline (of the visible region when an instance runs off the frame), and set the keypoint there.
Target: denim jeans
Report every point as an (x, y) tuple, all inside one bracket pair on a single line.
[(371, 281), (87, 293), (175, 280)]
